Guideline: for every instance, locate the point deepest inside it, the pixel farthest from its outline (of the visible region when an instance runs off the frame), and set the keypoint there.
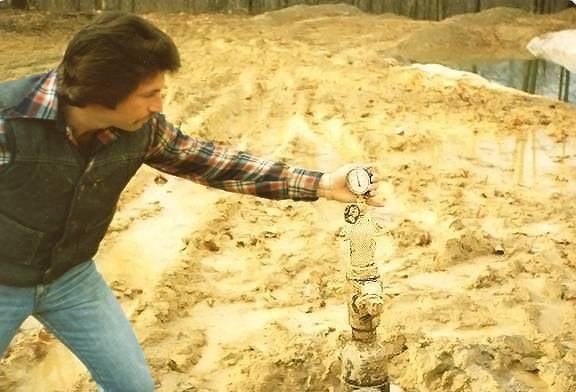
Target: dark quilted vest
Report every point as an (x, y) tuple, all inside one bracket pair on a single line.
[(55, 203)]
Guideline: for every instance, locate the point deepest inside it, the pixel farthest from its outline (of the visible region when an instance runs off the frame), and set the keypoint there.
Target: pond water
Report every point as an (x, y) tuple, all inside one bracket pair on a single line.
[(533, 76)]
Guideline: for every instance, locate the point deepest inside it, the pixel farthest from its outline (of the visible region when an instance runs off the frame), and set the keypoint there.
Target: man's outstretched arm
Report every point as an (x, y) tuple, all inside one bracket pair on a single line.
[(205, 162)]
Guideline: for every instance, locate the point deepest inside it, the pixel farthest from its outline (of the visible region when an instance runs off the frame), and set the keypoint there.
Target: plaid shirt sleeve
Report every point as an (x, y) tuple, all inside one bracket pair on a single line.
[(5, 155), (207, 163)]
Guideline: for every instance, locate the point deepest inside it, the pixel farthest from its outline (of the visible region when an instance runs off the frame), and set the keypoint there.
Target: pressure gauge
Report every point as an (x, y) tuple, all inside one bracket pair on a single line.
[(359, 180)]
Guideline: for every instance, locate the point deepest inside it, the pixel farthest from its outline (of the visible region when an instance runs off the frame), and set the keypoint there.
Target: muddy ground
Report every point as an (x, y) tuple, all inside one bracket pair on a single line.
[(233, 293)]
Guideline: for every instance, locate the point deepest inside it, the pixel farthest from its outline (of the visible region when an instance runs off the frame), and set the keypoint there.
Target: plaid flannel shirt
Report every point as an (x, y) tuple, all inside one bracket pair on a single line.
[(174, 152)]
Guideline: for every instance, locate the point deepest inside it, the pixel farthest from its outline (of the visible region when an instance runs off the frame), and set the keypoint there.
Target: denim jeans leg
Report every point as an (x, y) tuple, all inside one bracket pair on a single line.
[(16, 304), (81, 311)]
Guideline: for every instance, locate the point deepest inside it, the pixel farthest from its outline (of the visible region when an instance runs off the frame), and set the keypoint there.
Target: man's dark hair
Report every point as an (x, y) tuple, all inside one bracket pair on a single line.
[(106, 60)]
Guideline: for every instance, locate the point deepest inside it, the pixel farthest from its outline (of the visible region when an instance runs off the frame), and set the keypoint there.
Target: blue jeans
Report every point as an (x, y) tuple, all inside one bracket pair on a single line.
[(81, 311)]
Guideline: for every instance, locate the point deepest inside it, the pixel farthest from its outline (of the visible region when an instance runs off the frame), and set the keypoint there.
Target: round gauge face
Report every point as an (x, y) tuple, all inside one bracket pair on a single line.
[(358, 181)]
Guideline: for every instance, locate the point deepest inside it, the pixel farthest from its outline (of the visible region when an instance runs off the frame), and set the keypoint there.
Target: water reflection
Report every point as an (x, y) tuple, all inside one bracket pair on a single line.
[(524, 155), (533, 76), (530, 159)]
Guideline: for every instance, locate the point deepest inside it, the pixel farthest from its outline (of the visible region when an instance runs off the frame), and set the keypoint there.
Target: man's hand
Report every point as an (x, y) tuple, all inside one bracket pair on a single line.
[(333, 186)]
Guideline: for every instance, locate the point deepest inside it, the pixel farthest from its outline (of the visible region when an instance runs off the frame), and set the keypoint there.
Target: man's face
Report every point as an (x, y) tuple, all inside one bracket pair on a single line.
[(133, 112)]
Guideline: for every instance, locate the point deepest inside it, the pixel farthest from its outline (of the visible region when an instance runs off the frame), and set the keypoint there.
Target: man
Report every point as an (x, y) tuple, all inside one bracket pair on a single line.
[(70, 140)]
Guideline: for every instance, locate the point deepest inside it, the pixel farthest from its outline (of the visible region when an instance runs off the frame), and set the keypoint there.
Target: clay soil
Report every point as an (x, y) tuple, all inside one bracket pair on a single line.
[(233, 293)]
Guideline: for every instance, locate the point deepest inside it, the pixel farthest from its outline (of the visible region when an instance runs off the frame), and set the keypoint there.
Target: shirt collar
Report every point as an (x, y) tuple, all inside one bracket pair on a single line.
[(41, 102)]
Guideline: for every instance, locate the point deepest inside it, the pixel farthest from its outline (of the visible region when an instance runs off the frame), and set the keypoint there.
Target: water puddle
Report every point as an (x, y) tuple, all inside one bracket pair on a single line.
[(530, 159), (534, 76)]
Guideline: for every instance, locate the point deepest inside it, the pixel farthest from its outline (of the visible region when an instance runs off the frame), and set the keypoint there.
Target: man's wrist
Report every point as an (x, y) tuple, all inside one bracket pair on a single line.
[(325, 186)]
